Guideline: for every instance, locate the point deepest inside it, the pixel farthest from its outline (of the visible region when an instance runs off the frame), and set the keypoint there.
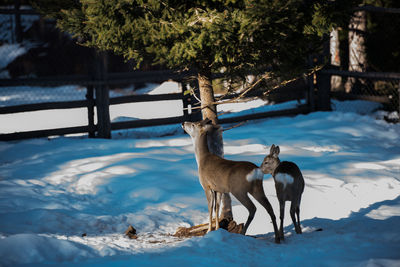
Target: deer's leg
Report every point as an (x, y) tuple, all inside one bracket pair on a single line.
[(259, 195), (226, 212), (210, 200), (246, 201), (217, 205), (293, 208), (298, 217), (281, 217)]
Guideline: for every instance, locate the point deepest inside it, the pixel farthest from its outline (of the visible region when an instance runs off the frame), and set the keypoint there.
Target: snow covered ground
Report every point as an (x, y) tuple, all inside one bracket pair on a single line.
[(53, 191)]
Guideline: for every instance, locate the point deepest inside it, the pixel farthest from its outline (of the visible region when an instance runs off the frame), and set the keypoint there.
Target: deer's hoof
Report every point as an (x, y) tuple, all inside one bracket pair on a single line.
[(281, 235)]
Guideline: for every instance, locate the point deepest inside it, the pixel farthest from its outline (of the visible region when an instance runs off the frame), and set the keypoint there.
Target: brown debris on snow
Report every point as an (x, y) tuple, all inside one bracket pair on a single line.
[(131, 232), (200, 230)]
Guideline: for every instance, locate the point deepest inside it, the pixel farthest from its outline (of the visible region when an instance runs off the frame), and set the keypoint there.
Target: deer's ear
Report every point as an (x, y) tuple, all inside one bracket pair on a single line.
[(217, 128), (276, 152), (206, 121), (272, 149)]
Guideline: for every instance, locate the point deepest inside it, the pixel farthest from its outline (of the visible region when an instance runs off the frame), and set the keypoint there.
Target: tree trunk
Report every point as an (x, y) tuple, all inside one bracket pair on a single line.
[(208, 108), (336, 81), (215, 140), (357, 51)]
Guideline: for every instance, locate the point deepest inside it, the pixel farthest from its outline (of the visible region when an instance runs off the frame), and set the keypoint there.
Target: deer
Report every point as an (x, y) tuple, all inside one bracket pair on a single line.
[(289, 186), (218, 175)]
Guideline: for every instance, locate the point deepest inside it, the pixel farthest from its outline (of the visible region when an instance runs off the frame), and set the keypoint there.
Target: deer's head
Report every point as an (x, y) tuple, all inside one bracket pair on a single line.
[(271, 161), (195, 129)]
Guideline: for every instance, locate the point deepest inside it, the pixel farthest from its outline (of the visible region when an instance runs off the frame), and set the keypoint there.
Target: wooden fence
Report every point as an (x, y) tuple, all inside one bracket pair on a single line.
[(369, 93), (316, 89), (101, 101)]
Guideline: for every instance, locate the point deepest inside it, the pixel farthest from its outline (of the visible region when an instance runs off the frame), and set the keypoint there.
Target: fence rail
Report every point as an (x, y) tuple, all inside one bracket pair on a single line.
[(46, 106), (108, 79), (372, 98), (46, 133), (146, 123), (366, 75), (144, 98), (16, 11), (269, 114)]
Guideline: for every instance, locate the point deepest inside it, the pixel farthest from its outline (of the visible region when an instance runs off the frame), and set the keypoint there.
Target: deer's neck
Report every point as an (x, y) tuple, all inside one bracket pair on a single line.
[(276, 168), (200, 147)]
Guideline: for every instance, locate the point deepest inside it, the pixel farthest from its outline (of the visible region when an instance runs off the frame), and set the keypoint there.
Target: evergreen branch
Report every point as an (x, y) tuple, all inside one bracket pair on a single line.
[(266, 76), (236, 125), (314, 70), (240, 99), (194, 95), (246, 90)]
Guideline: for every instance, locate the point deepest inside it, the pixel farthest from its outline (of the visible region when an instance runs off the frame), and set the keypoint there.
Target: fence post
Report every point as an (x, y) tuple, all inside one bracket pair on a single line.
[(324, 90), (102, 97), (398, 98), (310, 92), (90, 107), (186, 101), (310, 79), (324, 79), (18, 27)]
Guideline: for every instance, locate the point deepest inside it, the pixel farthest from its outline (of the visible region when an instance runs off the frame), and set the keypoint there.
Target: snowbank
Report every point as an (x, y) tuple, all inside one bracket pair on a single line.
[(68, 200)]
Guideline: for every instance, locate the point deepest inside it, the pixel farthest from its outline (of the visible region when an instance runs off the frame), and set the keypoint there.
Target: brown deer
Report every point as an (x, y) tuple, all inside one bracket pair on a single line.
[(218, 175), (289, 185)]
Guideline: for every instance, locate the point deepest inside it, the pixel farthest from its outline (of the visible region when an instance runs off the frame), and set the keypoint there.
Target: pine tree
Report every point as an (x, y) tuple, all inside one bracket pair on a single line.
[(206, 36), (234, 36)]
